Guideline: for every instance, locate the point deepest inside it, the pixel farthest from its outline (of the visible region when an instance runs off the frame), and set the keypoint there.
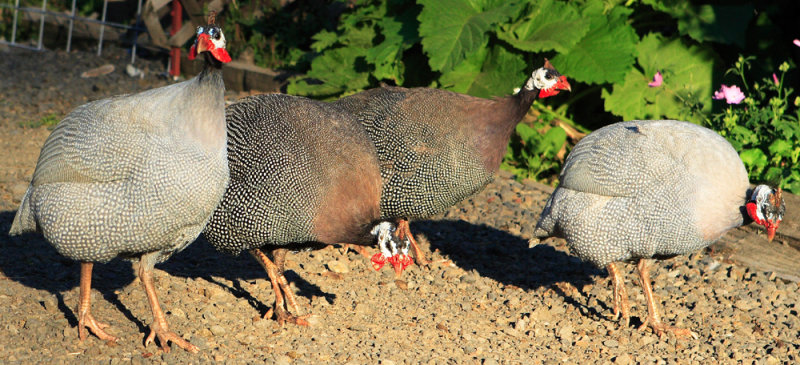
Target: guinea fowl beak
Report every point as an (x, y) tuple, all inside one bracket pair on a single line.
[(202, 44), (563, 84), (771, 228)]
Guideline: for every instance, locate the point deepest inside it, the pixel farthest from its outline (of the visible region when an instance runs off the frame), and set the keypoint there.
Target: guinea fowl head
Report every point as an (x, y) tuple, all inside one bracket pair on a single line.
[(547, 81), (766, 207), (210, 39), (392, 249)]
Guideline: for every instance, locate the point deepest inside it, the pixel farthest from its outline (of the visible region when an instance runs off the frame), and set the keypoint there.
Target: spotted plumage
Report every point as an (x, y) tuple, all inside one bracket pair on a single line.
[(438, 147), (133, 176), (648, 189), (303, 173)]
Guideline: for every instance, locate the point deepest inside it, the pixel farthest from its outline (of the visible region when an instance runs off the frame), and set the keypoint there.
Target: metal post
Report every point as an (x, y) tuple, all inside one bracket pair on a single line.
[(71, 23), (14, 27), (41, 24), (102, 28), (175, 52), (136, 31)]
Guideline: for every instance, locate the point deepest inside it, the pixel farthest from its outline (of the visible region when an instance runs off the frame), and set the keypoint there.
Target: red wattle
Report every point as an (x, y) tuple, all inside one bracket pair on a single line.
[(752, 211), (548, 92), (378, 260), (221, 55), (193, 52)]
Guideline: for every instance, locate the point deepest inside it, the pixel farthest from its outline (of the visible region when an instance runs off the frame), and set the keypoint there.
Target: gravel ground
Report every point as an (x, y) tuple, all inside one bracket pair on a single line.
[(492, 296)]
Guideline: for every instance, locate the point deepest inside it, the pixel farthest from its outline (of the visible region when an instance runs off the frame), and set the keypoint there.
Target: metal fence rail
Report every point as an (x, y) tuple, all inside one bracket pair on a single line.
[(72, 18)]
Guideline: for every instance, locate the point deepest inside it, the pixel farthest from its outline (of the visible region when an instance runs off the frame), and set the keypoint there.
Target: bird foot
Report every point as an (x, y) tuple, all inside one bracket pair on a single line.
[(357, 248), (285, 317), (164, 336), (87, 321), (660, 329)]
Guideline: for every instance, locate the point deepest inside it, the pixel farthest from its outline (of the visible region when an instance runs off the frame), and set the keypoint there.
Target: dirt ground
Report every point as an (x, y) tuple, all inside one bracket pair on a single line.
[(492, 296)]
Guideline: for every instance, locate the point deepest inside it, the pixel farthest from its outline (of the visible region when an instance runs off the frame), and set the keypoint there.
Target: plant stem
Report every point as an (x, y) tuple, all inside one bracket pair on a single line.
[(547, 110)]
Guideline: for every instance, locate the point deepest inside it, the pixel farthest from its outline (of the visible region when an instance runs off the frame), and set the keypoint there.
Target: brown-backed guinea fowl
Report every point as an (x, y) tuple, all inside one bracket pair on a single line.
[(438, 147), (637, 190), (303, 175), (134, 176)]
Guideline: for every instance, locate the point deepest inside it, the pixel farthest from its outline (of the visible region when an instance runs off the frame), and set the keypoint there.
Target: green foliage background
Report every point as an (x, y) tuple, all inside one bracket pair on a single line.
[(608, 49)]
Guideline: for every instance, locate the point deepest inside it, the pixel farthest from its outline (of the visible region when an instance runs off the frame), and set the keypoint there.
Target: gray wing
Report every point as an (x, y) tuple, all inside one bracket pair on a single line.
[(623, 159), (87, 144)]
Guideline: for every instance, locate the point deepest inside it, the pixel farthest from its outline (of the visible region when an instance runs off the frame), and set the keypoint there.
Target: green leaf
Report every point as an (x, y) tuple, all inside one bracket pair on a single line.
[(781, 148), (607, 51), (452, 29), (336, 70), (754, 158), (549, 25), (687, 72), (551, 142), (323, 39), (526, 133), (499, 73), (461, 78)]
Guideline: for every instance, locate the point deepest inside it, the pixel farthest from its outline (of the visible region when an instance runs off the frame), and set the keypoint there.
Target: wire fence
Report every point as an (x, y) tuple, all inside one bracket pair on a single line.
[(72, 18)]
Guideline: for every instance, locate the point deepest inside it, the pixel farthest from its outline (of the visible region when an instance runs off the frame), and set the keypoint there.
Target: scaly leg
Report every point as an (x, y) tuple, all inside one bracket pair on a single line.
[(620, 294), (280, 286), (403, 230), (653, 318), (159, 326), (85, 318)]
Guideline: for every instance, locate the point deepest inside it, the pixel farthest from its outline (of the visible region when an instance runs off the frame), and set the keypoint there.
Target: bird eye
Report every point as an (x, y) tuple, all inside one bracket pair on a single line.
[(548, 76), (216, 35)]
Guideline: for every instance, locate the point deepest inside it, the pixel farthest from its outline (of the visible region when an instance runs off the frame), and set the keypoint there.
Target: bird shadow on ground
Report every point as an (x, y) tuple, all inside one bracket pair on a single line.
[(507, 258), (201, 260), (31, 261)]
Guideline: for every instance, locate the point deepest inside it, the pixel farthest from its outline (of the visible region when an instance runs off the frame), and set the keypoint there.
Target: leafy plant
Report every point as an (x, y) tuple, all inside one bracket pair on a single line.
[(610, 50), (533, 148), (765, 130), (48, 121)]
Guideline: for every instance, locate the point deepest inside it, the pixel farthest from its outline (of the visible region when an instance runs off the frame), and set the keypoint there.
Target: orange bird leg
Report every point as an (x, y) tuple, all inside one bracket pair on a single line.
[(653, 318), (159, 326), (85, 319), (280, 286), (403, 231), (357, 248), (620, 294)]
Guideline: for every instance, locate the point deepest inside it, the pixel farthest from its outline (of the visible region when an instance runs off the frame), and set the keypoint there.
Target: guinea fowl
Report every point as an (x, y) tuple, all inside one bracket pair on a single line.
[(438, 147), (134, 176), (652, 189), (303, 175)]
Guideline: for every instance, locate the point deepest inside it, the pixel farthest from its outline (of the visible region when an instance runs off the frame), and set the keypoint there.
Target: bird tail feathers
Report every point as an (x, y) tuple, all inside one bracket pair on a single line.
[(24, 220)]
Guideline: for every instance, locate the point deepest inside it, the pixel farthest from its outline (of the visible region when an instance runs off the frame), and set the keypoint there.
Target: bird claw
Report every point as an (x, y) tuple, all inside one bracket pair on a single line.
[(164, 337), (284, 317), (660, 329), (87, 321)]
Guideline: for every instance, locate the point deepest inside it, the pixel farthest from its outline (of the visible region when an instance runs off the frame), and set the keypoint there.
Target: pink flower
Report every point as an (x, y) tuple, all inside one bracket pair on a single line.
[(732, 95), (657, 79), (775, 79), (796, 42)]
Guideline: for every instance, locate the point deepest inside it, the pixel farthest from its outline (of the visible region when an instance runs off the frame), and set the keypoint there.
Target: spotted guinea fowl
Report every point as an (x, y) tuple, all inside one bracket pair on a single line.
[(652, 189), (134, 176), (438, 147), (303, 175)]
